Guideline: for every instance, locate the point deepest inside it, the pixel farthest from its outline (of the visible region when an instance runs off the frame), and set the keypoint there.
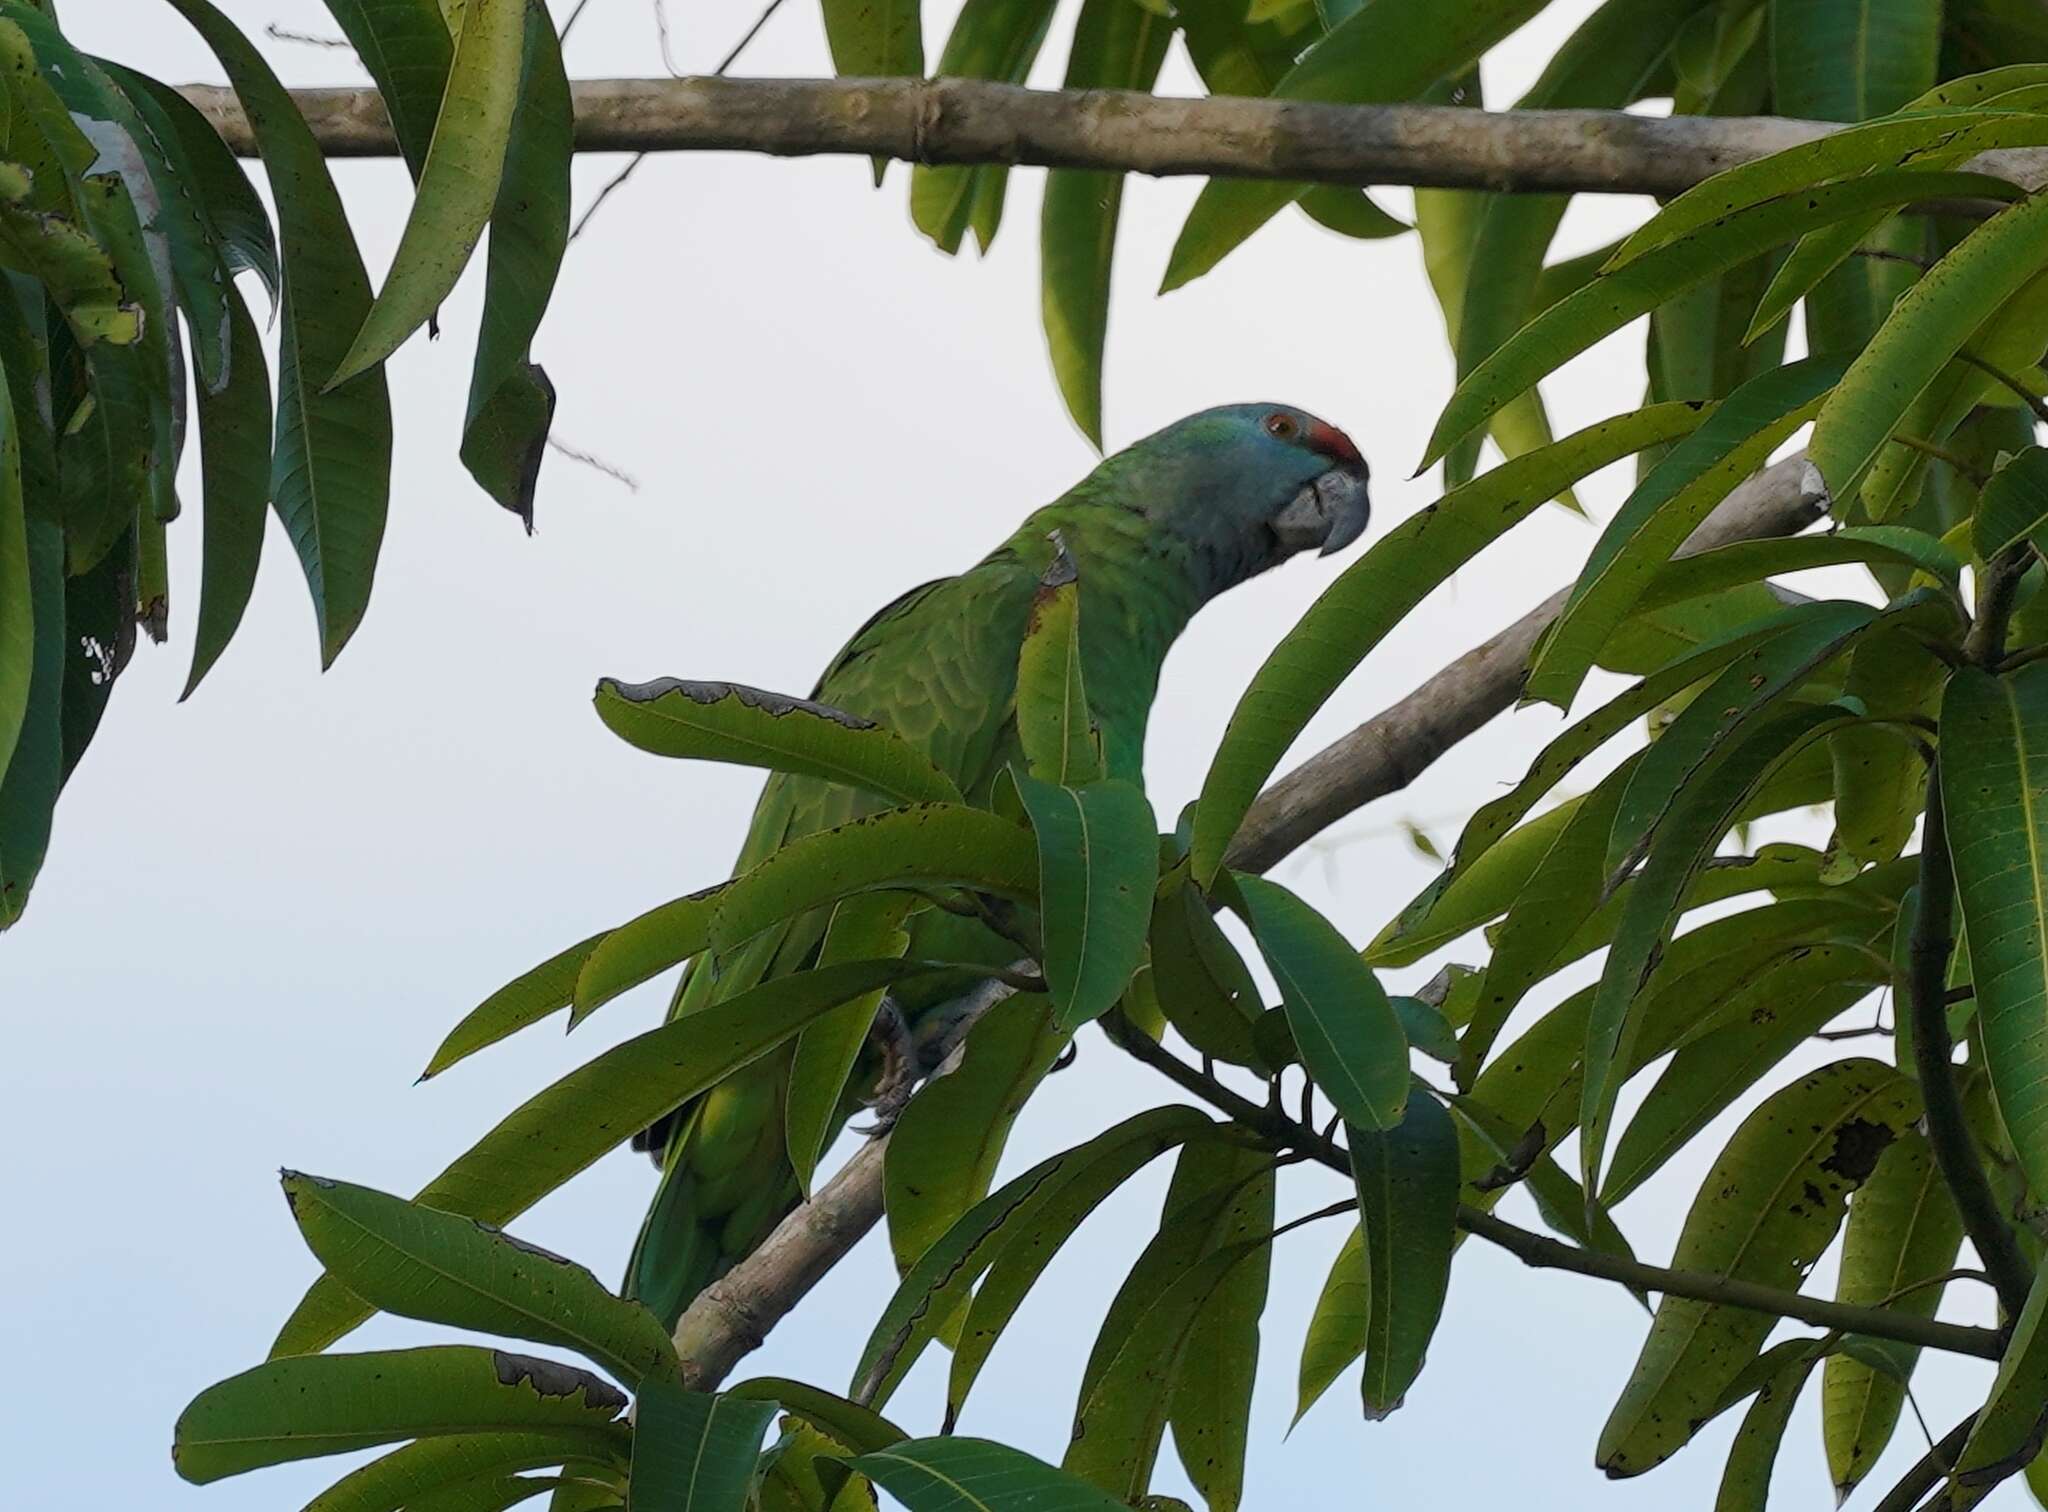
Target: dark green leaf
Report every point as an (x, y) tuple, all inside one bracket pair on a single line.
[(957, 1474), (1746, 1480), (1349, 1037), (1203, 986), (2008, 1432), (234, 454), (548, 988), (2013, 506), (693, 1452), (1408, 1206), (1336, 1330), (1098, 865), (1850, 60), (991, 39), (399, 1479)]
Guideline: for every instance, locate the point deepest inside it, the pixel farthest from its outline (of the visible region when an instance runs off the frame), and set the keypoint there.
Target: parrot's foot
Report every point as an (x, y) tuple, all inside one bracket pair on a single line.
[(897, 1077)]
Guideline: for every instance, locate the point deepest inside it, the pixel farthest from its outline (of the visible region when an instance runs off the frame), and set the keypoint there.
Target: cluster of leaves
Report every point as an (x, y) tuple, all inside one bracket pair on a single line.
[(1760, 701), (122, 214)]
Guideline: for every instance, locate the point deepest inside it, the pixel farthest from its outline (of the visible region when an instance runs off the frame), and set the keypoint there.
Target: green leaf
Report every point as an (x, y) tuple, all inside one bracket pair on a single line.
[(546, 989), (1385, 50), (415, 1475), (234, 454), (1053, 723), (1994, 758), (1377, 591), (1203, 986), (859, 1428), (1349, 1037), (1477, 895), (1117, 45), (1098, 865), (1664, 509), (943, 1151), (1000, 1228), (1902, 1230), (407, 48), (1408, 1207), (1610, 302), (1750, 687), (991, 39), (28, 788), (1702, 813), (458, 183), (1766, 1211), (1849, 60), (1899, 142), (2013, 506), (567, 1126), (1926, 328), (1122, 1416), (958, 1474), (1337, 1328), (1742, 562), (1798, 994), (927, 843), (733, 723), (511, 402), (875, 39), (694, 1452), (2008, 1432), (1880, 769), (1746, 1479), (1210, 1411), (17, 587), (868, 926), (331, 473), (311, 1405), (402, 1258)]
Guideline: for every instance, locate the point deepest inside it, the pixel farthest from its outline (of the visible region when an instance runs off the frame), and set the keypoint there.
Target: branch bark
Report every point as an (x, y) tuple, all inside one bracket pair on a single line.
[(974, 121), (730, 1318)]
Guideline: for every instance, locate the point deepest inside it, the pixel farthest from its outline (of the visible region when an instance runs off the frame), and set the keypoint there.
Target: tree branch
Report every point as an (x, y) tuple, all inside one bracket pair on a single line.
[(974, 121), (1545, 1253), (1393, 748)]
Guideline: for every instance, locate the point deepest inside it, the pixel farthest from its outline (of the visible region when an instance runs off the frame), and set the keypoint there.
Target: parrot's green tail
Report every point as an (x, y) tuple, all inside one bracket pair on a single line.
[(725, 1184)]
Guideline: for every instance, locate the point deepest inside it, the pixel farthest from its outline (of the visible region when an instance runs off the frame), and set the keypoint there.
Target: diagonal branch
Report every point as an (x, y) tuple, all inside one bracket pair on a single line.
[(975, 121), (731, 1318)]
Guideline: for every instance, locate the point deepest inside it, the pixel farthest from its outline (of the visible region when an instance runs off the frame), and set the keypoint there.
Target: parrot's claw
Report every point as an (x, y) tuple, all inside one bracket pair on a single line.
[(898, 1075)]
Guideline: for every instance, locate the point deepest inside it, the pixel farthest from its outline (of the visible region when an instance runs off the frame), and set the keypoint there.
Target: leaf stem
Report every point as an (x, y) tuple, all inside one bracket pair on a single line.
[(1932, 1468), (2028, 397), (1955, 459), (1551, 1254)]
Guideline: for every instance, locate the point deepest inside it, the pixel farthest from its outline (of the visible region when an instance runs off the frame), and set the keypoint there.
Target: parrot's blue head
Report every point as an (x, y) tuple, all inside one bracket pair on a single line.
[(1249, 485)]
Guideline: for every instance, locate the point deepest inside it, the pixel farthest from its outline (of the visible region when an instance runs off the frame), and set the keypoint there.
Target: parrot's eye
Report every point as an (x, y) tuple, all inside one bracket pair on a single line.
[(1282, 427)]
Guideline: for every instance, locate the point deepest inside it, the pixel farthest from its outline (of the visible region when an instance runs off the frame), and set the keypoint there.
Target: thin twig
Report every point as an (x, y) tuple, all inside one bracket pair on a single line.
[(1940, 453), (570, 24), (306, 39), (1929, 1472), (596, 463), (1551, 1254), (2027, 396)]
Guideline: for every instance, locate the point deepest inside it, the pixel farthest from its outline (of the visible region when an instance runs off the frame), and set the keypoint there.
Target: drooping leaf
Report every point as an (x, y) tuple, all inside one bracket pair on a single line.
[(1850, 60), (17, 586), (999, 1227), (1098, 865), (234, 454), (331, 471), (1348, 1034), (408, 1477), (1994, 759), (1203, 986), (1336, 1330), (1376, 592), (527, 999), (1053, 722), (1881, 769), (2008, 1431), (567, 1126), (1768, 1208), (692, 1451), (960, 1474), (730, 722), (1902, 1231), (875, 39), (28, 788), (458, 183), (1664, 509), (1746, 1479), (990, 39), (943, 1150), (1408, 1179), (1384, 50), (1117, 45), (1925, 329), (859, 1428), (403, 1258), (310, 1405)]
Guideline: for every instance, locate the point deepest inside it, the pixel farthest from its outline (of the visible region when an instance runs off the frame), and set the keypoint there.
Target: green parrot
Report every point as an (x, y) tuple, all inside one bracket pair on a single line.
[(1155, 532)]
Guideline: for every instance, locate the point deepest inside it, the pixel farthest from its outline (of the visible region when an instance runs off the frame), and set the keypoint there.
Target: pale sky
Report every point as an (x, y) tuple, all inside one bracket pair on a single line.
[(265, 907)]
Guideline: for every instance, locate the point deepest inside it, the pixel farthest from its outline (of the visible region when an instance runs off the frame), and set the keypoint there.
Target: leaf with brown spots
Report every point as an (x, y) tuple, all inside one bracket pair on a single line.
[(1768, 1208)]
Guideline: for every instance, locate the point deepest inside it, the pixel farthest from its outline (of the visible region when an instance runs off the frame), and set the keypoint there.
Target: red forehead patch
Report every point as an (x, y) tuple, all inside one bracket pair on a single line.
[(1332, 442)]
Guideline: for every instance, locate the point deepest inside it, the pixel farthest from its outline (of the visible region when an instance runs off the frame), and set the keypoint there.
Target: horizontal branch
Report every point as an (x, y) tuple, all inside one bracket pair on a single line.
[(974, 121), (731, 1317), (1545, 1253)]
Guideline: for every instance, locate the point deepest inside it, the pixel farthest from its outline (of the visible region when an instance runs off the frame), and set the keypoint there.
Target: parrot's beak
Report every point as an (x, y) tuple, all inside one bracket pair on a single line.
[(1329, 513)]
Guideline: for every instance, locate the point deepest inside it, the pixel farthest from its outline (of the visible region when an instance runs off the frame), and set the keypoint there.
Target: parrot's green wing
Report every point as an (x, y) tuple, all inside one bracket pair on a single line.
[(938, 666)]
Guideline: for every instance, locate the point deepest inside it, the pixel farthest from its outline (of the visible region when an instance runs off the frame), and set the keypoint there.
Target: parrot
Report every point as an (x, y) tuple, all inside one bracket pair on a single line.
[(1154, 532)]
